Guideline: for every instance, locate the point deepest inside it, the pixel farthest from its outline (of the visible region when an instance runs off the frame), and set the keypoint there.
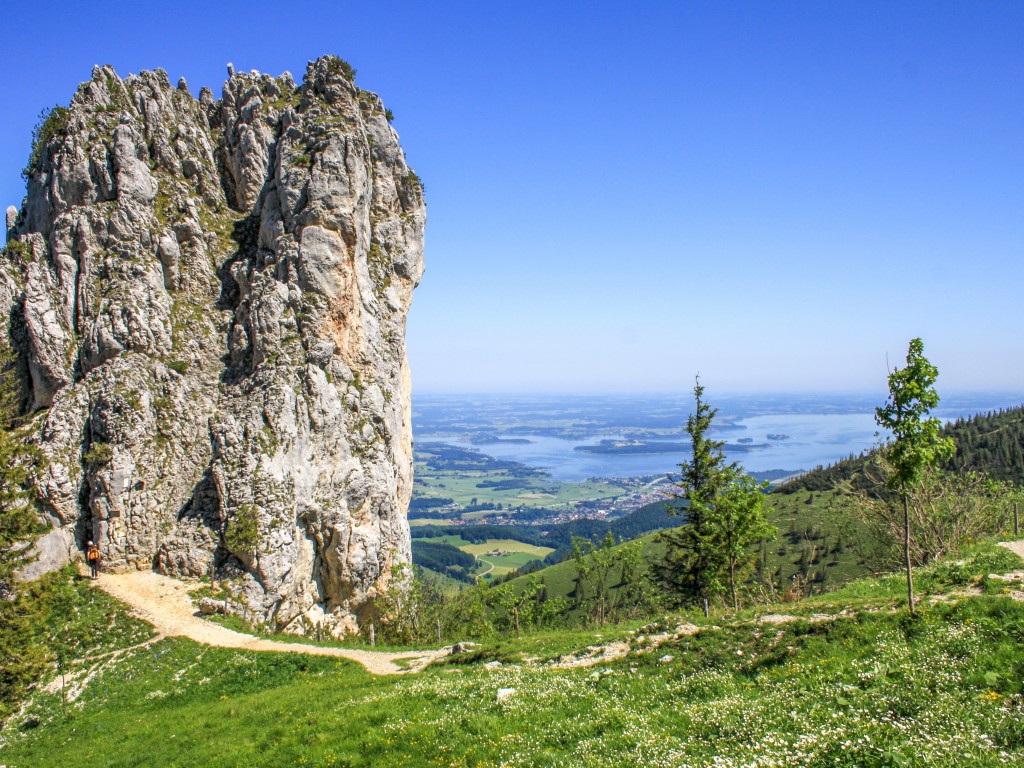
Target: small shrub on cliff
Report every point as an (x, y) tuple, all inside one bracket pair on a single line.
[(19, 252), (99, 454), (242, 533), (338, 66), (414, 179), (52, 123)]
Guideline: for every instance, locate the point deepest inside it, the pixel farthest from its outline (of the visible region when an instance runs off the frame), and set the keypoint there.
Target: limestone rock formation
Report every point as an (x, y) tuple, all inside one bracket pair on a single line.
[(208, 300)]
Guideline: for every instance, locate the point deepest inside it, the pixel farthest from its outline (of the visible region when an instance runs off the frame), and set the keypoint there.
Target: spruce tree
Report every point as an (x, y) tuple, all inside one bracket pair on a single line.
[(725, 513), (695, 561)]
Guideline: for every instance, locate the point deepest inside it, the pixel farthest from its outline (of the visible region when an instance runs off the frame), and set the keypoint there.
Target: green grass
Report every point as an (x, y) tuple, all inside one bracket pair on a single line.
[(492, 567), (506, 545), (870, 686), (55, 622), (871, 689), (808, 543), (970, 569), (454, 539), (812, 541), (517, 553), (560, 579)]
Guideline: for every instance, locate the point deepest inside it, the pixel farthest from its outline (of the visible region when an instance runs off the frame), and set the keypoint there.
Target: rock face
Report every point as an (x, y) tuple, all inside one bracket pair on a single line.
[(208, 300)]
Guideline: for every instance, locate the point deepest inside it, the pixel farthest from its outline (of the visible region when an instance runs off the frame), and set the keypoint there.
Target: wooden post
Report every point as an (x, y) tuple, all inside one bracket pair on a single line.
[(515, 610), (63, 693), (1016, 519), (373, 636), (438, 631), (706, 608)]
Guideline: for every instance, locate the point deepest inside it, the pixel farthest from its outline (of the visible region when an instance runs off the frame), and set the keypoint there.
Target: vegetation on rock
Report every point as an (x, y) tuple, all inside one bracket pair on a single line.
[(53, 124)]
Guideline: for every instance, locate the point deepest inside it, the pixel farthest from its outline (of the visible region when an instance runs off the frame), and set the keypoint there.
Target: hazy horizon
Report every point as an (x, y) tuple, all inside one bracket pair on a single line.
[(686, 392)]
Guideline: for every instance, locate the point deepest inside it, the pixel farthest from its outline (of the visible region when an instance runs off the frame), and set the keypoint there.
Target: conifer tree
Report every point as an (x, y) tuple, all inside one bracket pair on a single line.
[(695, 560), (725, 513)]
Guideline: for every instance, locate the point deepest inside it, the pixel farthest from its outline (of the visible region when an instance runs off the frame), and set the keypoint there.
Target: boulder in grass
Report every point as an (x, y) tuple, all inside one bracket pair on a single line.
[(208, 606)]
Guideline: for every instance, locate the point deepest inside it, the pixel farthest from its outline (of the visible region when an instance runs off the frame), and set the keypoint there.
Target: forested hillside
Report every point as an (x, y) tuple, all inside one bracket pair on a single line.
[(992, 443), (651, 517)]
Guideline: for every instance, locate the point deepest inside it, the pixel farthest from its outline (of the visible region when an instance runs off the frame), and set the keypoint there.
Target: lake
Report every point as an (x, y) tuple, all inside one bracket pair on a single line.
[(546, 431)]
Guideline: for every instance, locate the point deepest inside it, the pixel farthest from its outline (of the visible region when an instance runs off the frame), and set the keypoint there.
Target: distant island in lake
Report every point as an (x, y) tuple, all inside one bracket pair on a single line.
[(635, 447)]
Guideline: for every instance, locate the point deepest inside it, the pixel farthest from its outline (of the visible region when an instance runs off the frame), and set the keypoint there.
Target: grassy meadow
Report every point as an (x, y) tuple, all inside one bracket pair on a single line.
[(848, 678), (515, 554)]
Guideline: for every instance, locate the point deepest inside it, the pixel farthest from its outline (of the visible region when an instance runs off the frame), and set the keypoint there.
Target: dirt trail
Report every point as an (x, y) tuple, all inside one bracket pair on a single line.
[(1017, 547), (165, 603)]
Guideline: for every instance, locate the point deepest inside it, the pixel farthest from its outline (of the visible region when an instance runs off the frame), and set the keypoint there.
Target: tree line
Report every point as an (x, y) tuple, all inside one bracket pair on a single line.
[(992, 443), (559, 536)]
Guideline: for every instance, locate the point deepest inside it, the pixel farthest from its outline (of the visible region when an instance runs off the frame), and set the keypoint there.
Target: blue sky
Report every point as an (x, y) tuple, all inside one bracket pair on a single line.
[(777, 195)]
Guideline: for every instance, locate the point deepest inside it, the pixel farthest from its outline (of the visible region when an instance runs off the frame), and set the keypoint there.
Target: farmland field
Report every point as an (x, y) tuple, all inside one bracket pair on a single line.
[(469, 478), (517, 553), (507, 545), (418, 522)]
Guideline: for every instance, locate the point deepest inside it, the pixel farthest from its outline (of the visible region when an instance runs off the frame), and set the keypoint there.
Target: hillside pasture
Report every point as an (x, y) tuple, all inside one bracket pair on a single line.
[(516, 553)]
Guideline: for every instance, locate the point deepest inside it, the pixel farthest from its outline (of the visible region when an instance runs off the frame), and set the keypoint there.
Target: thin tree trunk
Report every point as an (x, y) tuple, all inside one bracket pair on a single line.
[(906, 552), (732, 584)]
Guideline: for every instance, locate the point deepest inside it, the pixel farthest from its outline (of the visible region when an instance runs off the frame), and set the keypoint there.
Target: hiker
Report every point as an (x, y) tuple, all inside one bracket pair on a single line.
[(92, 556)]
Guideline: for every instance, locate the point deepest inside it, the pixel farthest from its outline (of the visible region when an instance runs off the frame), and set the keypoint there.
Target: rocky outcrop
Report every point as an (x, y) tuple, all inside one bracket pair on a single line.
[(208, 302)]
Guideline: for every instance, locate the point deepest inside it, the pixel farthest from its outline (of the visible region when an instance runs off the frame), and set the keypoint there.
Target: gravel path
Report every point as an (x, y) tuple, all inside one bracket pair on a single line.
[(165, 603)]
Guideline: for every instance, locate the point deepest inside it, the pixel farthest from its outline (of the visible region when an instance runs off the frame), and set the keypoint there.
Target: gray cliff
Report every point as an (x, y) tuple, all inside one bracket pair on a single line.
[(207, 300)]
